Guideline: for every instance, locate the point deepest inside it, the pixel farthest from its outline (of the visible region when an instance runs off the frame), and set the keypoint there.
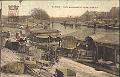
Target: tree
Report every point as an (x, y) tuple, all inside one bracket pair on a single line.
[(20, 1), (39, 14)]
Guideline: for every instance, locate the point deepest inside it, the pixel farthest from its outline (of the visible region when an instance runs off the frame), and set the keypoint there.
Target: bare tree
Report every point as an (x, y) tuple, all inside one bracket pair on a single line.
[(39, 14)]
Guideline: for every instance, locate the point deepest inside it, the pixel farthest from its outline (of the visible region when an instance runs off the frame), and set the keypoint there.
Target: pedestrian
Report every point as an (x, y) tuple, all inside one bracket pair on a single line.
[(106, 27)]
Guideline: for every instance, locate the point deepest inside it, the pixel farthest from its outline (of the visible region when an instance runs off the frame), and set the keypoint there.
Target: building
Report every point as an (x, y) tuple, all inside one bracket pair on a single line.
[(114, 12), (91, 15)]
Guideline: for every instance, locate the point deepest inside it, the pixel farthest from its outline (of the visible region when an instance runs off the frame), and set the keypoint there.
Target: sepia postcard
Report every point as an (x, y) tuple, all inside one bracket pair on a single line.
[(59, 38)]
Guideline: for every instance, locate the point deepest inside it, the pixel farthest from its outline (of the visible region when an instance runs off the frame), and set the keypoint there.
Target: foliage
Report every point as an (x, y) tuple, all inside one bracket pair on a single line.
[(39, 14)]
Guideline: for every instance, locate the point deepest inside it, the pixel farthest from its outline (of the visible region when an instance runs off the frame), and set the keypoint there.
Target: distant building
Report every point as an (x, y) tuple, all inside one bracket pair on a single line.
[(114, 12), (91, 15)]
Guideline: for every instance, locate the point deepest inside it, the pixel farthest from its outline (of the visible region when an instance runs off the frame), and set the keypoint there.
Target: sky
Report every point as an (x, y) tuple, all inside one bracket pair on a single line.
[(62, 8)]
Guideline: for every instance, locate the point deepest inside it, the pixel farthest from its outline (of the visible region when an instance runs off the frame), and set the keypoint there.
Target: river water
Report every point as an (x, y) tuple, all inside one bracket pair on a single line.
[(83, 29)]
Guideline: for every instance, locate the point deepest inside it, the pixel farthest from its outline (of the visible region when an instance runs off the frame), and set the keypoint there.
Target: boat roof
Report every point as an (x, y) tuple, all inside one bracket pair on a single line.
[(80, 35), (44, 31), (103, 37), (107, 38), (46, 36)]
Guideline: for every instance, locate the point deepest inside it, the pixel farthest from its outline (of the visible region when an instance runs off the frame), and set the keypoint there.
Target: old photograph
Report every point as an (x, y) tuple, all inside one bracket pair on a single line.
[(59, 38)]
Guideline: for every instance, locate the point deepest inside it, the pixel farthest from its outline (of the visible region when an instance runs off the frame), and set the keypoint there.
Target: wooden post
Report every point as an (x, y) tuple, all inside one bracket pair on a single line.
[(73, 26), (115, 54), (94, 28), (52, 24), (103, 56), (96, 54), (64, 24), (71, 54)]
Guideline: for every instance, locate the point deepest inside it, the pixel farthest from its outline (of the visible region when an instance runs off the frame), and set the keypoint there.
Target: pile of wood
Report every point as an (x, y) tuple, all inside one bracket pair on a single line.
[(14, 67)]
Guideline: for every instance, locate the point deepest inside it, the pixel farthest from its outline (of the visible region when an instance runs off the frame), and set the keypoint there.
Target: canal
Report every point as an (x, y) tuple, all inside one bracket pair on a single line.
[(82, 29)]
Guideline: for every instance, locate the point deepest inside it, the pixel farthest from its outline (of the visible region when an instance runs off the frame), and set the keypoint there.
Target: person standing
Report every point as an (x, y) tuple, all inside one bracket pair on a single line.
[(106, 27)]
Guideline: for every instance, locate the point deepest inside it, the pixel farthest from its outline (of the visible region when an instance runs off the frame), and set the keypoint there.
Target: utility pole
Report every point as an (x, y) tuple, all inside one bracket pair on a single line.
[(95, 20), (1, 30)]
